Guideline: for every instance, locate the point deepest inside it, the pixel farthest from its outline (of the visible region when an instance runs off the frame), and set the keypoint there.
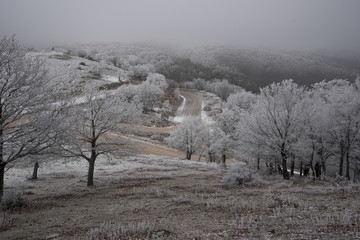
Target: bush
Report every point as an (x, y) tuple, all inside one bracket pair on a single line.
[(81, 53), (340, 181), (12, 201), (240, 174)]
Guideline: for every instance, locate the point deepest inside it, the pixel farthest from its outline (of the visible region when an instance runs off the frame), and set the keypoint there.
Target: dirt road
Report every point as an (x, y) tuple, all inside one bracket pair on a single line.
[(193, 103), (192, 106)]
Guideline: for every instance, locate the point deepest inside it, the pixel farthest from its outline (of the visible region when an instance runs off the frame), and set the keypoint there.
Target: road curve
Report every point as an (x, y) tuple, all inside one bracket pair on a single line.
[(193, 104)]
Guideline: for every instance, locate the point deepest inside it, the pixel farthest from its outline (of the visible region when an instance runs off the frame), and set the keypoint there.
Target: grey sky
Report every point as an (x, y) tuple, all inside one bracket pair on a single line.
[(266, 23)]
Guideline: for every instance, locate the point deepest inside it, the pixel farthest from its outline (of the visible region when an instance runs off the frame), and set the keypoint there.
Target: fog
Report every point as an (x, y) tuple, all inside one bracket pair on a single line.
[(296, 24)]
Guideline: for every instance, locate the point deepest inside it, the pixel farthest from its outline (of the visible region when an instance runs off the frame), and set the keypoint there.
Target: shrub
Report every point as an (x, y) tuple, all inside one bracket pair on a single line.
[(12, 201), (240, 174), (340, 181), (81, 53)]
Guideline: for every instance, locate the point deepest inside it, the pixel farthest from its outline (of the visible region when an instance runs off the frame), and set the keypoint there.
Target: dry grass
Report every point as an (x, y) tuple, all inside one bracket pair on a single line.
[(178, 200)]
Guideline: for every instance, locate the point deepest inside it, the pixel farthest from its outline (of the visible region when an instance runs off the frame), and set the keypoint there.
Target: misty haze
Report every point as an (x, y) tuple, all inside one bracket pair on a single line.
[(206, 119)]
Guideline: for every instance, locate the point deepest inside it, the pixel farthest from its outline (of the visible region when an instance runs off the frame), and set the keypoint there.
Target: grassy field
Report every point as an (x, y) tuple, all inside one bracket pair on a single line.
[(150, 197)]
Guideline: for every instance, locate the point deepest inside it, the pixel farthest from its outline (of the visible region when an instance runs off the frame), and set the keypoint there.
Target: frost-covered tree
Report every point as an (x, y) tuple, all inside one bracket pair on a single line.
[(152, 91), (158, 80), (187, 137), (96, 128), (277, 121), (223, 143), (240, 101), (209, 142), (142, 71), (340, 128), (25, 118), (149, 95), (223, 88), (228, 120)]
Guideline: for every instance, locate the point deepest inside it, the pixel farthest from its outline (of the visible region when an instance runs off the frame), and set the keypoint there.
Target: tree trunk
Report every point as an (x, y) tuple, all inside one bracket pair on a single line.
[(285, 172), (348, 145), (188, 155), (347, 165), (2, 163), (2, 175), (223, 159), (355, 171), (323, 167), (312, 160), (323, 159), (35, 171), (258, 158), (90, 179), (341, 160), (211, 157), (317, 170), (271, 168), (292, 167)]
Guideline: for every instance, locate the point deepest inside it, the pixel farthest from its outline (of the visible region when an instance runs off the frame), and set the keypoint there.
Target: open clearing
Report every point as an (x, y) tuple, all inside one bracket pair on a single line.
[(176, 199)]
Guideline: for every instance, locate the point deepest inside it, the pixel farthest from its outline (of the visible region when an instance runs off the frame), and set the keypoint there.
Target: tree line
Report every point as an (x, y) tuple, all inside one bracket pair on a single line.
[(285, 126)]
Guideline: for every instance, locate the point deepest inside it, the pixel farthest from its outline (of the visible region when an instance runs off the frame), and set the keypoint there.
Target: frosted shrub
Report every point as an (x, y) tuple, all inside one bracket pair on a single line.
[(81, 53), (12, 201), (240, 174)]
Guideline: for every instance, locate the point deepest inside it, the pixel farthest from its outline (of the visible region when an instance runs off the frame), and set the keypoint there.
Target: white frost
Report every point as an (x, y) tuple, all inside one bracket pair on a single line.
[(111, 78)]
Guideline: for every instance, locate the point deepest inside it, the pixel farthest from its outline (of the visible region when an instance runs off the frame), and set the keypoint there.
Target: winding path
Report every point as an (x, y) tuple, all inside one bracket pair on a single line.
[(193, 103)]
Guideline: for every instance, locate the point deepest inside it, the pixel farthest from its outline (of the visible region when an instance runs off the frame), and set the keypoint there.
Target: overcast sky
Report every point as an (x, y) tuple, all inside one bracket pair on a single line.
[(298, 24)]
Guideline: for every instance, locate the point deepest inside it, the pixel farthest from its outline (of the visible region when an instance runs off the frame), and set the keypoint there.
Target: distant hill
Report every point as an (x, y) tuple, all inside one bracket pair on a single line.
[(259, 67), (249, 68)]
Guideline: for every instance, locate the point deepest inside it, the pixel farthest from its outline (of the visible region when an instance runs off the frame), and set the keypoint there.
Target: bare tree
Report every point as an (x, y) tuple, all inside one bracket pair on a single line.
[(96, 127), (25, 118)]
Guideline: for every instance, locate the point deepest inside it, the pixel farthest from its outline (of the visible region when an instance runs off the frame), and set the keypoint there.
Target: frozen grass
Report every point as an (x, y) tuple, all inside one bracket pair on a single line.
[(187, 197), (139, 166), (6, 221), (133, 230)]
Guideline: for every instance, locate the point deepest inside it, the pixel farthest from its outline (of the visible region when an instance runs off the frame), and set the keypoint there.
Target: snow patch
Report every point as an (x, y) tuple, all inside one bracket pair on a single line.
[(111, 78)]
